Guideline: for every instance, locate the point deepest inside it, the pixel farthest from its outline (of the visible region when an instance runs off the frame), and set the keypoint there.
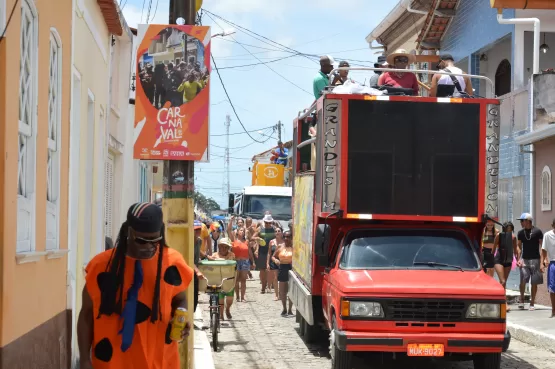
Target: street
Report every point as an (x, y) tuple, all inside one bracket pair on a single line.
[(259, 338)]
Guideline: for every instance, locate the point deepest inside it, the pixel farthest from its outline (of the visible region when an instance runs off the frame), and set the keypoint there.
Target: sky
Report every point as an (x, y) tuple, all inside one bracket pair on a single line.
[(264, 94)]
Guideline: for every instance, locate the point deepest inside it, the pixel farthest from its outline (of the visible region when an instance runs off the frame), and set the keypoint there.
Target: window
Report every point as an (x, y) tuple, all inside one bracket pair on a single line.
[(546, 188), (27, 128), (410, 249), (109, 195), (53, 156)]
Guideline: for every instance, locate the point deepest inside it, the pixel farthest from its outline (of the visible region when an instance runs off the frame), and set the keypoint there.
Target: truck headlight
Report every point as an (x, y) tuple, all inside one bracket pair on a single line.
[(483, 311), (361, 309)]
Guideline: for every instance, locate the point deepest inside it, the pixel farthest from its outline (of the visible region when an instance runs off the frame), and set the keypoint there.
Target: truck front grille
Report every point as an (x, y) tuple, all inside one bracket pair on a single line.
[(425, 310)]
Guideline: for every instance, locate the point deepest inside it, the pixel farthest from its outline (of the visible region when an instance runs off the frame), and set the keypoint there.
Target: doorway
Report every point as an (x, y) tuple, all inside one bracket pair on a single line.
[(503, 78)]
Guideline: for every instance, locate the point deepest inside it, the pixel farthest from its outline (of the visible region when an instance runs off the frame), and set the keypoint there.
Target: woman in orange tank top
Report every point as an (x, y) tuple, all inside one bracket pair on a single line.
[(244, 257), (284, 258)]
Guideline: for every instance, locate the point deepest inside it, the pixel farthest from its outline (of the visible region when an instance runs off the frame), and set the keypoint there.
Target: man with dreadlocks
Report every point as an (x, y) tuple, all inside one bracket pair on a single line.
[(130, 296)]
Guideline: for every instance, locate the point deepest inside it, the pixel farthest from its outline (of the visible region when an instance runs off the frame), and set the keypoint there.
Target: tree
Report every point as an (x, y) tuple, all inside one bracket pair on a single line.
[(206, 204)]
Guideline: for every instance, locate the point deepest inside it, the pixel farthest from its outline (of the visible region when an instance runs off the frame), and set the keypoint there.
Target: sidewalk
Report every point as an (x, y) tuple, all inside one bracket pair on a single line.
[(203, 350), (535, 328)]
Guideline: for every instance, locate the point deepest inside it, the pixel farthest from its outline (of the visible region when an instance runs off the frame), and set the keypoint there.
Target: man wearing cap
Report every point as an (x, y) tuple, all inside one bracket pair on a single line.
[(215, 235), (528, 258), (445, 85), (382, 63), (548, 261), (400, 59), (321, 81)]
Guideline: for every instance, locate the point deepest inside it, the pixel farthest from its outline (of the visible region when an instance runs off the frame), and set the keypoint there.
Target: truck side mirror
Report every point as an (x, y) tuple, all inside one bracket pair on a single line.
[(322, 240)]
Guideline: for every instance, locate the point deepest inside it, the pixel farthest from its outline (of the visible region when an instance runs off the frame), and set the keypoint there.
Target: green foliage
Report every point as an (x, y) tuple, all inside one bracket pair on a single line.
[(204, 203)]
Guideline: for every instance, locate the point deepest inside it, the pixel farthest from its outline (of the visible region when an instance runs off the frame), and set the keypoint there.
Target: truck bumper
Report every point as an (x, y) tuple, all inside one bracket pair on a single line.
[(392, 342)]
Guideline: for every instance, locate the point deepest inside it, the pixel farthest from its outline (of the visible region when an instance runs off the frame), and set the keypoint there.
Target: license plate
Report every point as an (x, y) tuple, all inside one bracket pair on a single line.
[(420, 349)]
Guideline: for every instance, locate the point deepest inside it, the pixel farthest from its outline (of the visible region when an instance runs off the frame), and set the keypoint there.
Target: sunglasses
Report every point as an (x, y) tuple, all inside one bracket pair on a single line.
[(145, 241), (402, 60), (287, 237)]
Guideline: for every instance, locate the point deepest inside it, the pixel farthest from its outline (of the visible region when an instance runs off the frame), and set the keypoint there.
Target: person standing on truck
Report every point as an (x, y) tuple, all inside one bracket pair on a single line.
[(282, 154), (382, 63), (342, 76), (529, 245), (445, 85), (488, 239), (266, 234), (504, 247), (400, 59), (284, 258), (548, 261), (321, 81)]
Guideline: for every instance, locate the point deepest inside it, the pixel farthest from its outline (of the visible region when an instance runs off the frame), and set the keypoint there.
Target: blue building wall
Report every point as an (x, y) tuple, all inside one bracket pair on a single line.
[(475, 27)]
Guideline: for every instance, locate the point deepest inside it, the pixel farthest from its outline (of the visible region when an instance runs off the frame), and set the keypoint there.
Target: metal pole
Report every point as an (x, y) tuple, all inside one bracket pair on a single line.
[(279, 130), (226, 163), (177, 205)]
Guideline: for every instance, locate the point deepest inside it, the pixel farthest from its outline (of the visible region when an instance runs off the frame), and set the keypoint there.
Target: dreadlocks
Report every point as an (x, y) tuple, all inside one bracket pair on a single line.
[(142, 217)]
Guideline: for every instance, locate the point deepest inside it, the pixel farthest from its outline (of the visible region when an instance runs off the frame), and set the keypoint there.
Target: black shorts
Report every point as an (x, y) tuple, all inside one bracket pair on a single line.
[(498, 261), (488, 259), (283, 273)]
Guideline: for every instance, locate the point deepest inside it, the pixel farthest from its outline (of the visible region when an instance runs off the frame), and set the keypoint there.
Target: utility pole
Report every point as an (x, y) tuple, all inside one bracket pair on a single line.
[(279, 130), (226, 159), (179, 189)]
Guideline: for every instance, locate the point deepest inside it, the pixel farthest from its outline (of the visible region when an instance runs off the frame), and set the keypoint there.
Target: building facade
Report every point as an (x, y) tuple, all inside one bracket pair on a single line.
[(35, 91)]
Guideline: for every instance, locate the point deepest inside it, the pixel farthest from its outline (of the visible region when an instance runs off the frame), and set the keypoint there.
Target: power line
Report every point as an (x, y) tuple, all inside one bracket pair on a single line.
[(229, 99), (267, 66), (248, 65), (9, 21)]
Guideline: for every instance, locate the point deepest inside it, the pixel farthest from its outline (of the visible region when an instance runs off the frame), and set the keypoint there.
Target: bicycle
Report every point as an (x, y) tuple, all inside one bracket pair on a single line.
[(214, 293)]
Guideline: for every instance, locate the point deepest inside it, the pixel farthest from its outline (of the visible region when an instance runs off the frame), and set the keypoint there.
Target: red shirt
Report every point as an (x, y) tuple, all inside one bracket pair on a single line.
[(406, 80)]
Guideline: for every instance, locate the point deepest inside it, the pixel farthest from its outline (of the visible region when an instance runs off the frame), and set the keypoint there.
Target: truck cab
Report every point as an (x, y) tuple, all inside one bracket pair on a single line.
[(254, 201), (389, 202)]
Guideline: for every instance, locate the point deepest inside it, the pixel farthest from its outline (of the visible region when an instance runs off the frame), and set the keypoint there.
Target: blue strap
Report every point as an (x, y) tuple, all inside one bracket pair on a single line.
[(130, 309)]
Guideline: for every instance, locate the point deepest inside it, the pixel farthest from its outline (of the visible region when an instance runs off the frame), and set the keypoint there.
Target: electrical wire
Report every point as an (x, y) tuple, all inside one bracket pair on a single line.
[(231, 103), (142, 10), (155, 9), (9, 21), (267, 66), (248, 65), (242, 133)]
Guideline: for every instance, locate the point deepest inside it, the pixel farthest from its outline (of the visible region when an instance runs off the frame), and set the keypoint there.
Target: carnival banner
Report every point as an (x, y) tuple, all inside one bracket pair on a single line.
[(173, 93)]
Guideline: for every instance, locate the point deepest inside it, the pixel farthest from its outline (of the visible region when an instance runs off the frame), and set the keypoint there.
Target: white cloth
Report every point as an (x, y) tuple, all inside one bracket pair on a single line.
[(548, 244), (355, 88), (447, 80)]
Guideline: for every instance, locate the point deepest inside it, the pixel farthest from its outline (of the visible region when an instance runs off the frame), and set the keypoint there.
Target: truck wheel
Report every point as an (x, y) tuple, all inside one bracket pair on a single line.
[(487, 361), (339, 359)]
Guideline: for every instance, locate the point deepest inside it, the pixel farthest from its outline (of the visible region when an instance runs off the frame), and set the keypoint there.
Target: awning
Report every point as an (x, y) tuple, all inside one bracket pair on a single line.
[(535, 136)]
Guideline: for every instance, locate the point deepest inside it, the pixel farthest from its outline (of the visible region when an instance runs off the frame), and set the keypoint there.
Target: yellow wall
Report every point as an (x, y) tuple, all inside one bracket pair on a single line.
[(32, 293), (90, 30)]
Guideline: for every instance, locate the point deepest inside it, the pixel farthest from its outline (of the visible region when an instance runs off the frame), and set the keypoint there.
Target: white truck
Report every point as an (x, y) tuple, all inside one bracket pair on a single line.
[(255, 201)]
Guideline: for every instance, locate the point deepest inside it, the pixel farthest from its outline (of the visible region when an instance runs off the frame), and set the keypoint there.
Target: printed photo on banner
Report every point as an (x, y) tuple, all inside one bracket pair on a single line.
[(172, 101)]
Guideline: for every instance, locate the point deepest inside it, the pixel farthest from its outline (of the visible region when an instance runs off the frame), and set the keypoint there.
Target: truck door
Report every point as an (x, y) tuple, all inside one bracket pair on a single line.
[(327, 283)]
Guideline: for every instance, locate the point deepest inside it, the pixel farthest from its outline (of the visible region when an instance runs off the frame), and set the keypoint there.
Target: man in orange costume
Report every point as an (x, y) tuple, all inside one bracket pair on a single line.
[(130, 296)]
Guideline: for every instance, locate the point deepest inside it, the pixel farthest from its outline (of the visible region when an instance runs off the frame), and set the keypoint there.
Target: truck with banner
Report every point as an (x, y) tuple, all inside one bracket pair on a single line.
[(388, 218)]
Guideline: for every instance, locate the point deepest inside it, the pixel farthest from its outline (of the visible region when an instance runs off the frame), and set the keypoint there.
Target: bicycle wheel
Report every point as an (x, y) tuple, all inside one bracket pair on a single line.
[(215, 326)]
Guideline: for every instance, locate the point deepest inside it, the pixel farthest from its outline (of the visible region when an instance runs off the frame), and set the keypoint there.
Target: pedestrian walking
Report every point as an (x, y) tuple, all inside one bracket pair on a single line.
[(504, 247), (528, 258), (130, 296), (283, 257), (548, 261)]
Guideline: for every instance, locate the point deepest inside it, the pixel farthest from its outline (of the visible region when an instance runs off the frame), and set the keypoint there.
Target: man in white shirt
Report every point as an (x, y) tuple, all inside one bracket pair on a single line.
[(548, 261)]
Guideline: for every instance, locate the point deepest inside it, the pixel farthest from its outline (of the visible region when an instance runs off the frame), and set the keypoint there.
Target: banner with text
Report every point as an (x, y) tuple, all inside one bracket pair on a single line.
[(173, 93)]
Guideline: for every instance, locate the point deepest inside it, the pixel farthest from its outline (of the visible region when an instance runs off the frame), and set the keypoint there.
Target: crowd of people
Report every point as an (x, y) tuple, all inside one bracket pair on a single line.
[(442, 85), (176, 83), (530, 250), (264, 246)]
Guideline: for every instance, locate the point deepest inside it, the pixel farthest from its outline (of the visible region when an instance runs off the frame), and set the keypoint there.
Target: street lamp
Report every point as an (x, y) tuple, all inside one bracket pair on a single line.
[(226, 32)]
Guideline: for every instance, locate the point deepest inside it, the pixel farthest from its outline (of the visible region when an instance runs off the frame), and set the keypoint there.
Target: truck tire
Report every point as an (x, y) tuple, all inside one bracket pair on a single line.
[(487, 361), (301, 326), (298, 316), (339, 359)]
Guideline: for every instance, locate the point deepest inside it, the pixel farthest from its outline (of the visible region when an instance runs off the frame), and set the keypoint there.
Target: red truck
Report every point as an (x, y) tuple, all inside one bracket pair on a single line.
[(389, 202)]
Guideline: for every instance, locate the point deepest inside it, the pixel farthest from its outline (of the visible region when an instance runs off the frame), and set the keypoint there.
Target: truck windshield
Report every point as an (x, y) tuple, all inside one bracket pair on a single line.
[(415, 249), (279, 206)]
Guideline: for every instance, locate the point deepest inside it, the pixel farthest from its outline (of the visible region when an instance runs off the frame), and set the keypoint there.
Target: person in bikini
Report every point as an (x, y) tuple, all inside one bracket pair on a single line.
[(504, 248), (488, 239)]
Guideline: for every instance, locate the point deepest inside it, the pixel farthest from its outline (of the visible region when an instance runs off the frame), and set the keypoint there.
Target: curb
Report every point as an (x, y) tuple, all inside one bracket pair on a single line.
[(202, 349), (532, 337)]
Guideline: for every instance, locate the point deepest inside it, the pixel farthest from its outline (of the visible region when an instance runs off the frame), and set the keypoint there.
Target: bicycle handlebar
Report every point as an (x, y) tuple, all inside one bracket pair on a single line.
[(220, 286)]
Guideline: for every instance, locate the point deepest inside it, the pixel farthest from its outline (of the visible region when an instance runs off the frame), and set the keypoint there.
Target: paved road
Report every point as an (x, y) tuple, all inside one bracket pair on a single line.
[(259, 338)]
